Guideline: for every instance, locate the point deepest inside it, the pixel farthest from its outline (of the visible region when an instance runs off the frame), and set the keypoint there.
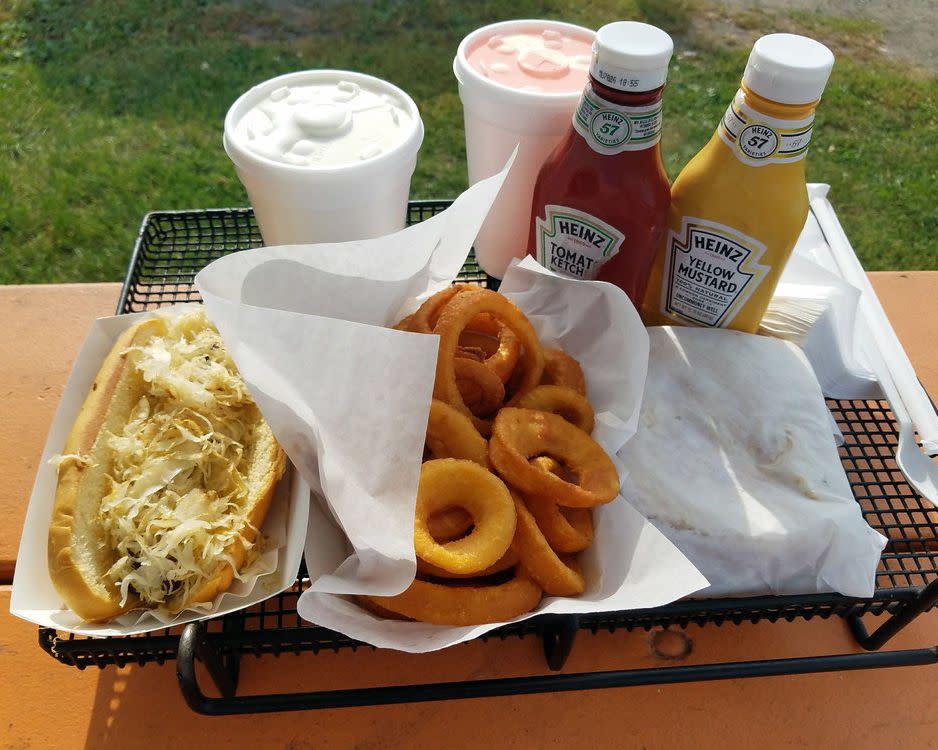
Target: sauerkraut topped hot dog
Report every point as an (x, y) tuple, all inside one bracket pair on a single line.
[(166, 475)]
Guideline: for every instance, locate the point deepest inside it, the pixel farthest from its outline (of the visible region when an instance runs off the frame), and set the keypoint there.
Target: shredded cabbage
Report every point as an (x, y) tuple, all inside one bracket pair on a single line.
[(177, 494)]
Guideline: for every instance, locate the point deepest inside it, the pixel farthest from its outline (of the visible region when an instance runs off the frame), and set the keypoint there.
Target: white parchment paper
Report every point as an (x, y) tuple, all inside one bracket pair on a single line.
[(34, 598)]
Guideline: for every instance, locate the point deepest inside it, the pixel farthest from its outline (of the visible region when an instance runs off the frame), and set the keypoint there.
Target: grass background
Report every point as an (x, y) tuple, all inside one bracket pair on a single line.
[(111, 109)]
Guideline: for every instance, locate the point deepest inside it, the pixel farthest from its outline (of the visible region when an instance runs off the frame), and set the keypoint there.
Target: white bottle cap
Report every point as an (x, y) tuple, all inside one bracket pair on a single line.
[(788, 69), (631, 56)]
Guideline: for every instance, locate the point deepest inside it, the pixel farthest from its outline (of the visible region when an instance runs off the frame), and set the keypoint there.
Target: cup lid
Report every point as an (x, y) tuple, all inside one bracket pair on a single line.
[(500, 93), (322, 121)]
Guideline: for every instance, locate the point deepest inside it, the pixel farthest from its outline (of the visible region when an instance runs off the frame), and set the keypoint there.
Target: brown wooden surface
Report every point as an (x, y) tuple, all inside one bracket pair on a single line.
[(43, 328), (44, 704)]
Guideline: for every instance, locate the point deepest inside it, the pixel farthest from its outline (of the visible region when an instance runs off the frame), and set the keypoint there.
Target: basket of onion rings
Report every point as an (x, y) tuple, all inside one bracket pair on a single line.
[(511, 473), (460, 445), (518, 510)]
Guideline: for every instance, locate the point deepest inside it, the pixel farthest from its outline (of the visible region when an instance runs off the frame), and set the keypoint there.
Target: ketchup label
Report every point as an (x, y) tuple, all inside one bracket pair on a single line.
[(611, 128), (710, 270), (757, 139), (574, 243)]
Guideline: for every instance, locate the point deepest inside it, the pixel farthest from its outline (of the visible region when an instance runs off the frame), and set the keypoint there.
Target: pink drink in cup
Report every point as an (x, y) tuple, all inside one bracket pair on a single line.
[(519, 82)]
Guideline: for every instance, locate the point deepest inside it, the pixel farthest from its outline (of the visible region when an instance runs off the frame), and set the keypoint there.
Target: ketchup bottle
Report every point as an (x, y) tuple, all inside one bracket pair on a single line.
[(601, 199)]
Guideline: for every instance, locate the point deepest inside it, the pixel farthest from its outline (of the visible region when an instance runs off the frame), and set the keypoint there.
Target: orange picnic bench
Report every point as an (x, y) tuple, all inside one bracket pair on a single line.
[(47, 704)]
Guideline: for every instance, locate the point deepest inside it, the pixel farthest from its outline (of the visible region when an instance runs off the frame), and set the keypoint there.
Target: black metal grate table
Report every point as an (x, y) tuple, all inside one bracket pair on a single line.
[(174, 245)]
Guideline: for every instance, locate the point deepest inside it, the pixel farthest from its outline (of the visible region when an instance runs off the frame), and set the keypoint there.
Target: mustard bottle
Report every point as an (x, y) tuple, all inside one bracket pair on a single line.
[(740, 204)]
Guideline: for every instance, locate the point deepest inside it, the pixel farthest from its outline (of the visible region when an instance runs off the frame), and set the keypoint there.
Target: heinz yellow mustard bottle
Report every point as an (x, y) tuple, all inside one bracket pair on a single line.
[(738, 206)]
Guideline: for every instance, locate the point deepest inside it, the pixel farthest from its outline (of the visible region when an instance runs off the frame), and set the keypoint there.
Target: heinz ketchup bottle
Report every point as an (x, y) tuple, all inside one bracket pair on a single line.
[(601, 199)]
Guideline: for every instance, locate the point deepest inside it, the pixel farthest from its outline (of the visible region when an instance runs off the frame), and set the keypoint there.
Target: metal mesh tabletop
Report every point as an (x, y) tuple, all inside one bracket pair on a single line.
[(174, 245)]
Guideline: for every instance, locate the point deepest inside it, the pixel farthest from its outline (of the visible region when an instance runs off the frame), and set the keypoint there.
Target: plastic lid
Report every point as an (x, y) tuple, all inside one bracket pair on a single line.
[(631, 56), (788, 69), (322, 120)]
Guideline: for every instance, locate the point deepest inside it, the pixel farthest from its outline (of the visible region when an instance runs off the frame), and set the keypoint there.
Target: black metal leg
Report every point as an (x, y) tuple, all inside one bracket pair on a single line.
[(557, 636), (194, 645), (548, 683), (926, 599), (232, 660)]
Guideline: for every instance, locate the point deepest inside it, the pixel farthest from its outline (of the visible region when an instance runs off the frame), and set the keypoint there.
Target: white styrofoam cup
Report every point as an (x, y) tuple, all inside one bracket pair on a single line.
[(296, 204)]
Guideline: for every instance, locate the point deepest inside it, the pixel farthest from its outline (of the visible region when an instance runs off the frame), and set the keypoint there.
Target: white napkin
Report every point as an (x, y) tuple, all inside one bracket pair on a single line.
[(817, 310), (735, 463), (826, 303)]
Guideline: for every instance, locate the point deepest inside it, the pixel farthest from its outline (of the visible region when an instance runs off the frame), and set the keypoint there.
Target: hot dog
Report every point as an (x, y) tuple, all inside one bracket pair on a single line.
[(165, 477)]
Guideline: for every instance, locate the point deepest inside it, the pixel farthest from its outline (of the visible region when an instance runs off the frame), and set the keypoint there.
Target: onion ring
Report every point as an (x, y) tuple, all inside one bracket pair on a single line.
[(564, 402), (506, 561), (566, 530), (521, 434), (376, 609), (562, 369), (404, 324), (505, 357), (424, 319), (452, 435), (550, 572), (474, 353), (449, 482), (456, 316), (448, 604), (470, 339), (449, 524), (481, 388), (484, 426)]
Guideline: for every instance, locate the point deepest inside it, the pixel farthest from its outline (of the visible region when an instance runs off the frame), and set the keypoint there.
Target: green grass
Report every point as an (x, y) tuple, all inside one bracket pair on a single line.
[(111, 109)]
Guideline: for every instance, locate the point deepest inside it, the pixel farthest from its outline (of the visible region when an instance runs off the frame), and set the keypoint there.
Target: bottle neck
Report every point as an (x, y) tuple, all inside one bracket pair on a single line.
[(613, 122), (625, 98), (774, 109)]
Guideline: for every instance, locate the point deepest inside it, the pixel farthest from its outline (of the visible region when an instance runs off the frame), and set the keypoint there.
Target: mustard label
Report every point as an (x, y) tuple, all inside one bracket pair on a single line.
[(757, 139), (611, 128), (573, 243), (710, 271)]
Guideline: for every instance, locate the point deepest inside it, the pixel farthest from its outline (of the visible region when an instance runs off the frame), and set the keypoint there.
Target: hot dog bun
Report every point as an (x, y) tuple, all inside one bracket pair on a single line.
[(127, 399)]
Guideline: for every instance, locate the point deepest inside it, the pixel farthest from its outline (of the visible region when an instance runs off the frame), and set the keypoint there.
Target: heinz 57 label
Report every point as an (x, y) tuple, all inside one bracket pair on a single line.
[(574, 243), (710, 270), (757, 139), (611, 128)]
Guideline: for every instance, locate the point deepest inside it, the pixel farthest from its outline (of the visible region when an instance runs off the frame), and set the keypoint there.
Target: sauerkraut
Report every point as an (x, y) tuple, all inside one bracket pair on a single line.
[(177, 496)]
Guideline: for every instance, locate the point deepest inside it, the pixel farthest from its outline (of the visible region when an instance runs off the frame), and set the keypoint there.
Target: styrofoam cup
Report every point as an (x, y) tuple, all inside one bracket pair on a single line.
[(301, 203), (497, 118)]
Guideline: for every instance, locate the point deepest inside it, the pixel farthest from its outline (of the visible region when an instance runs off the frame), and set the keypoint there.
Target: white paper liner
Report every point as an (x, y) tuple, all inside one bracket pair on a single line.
[(34, 598)]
